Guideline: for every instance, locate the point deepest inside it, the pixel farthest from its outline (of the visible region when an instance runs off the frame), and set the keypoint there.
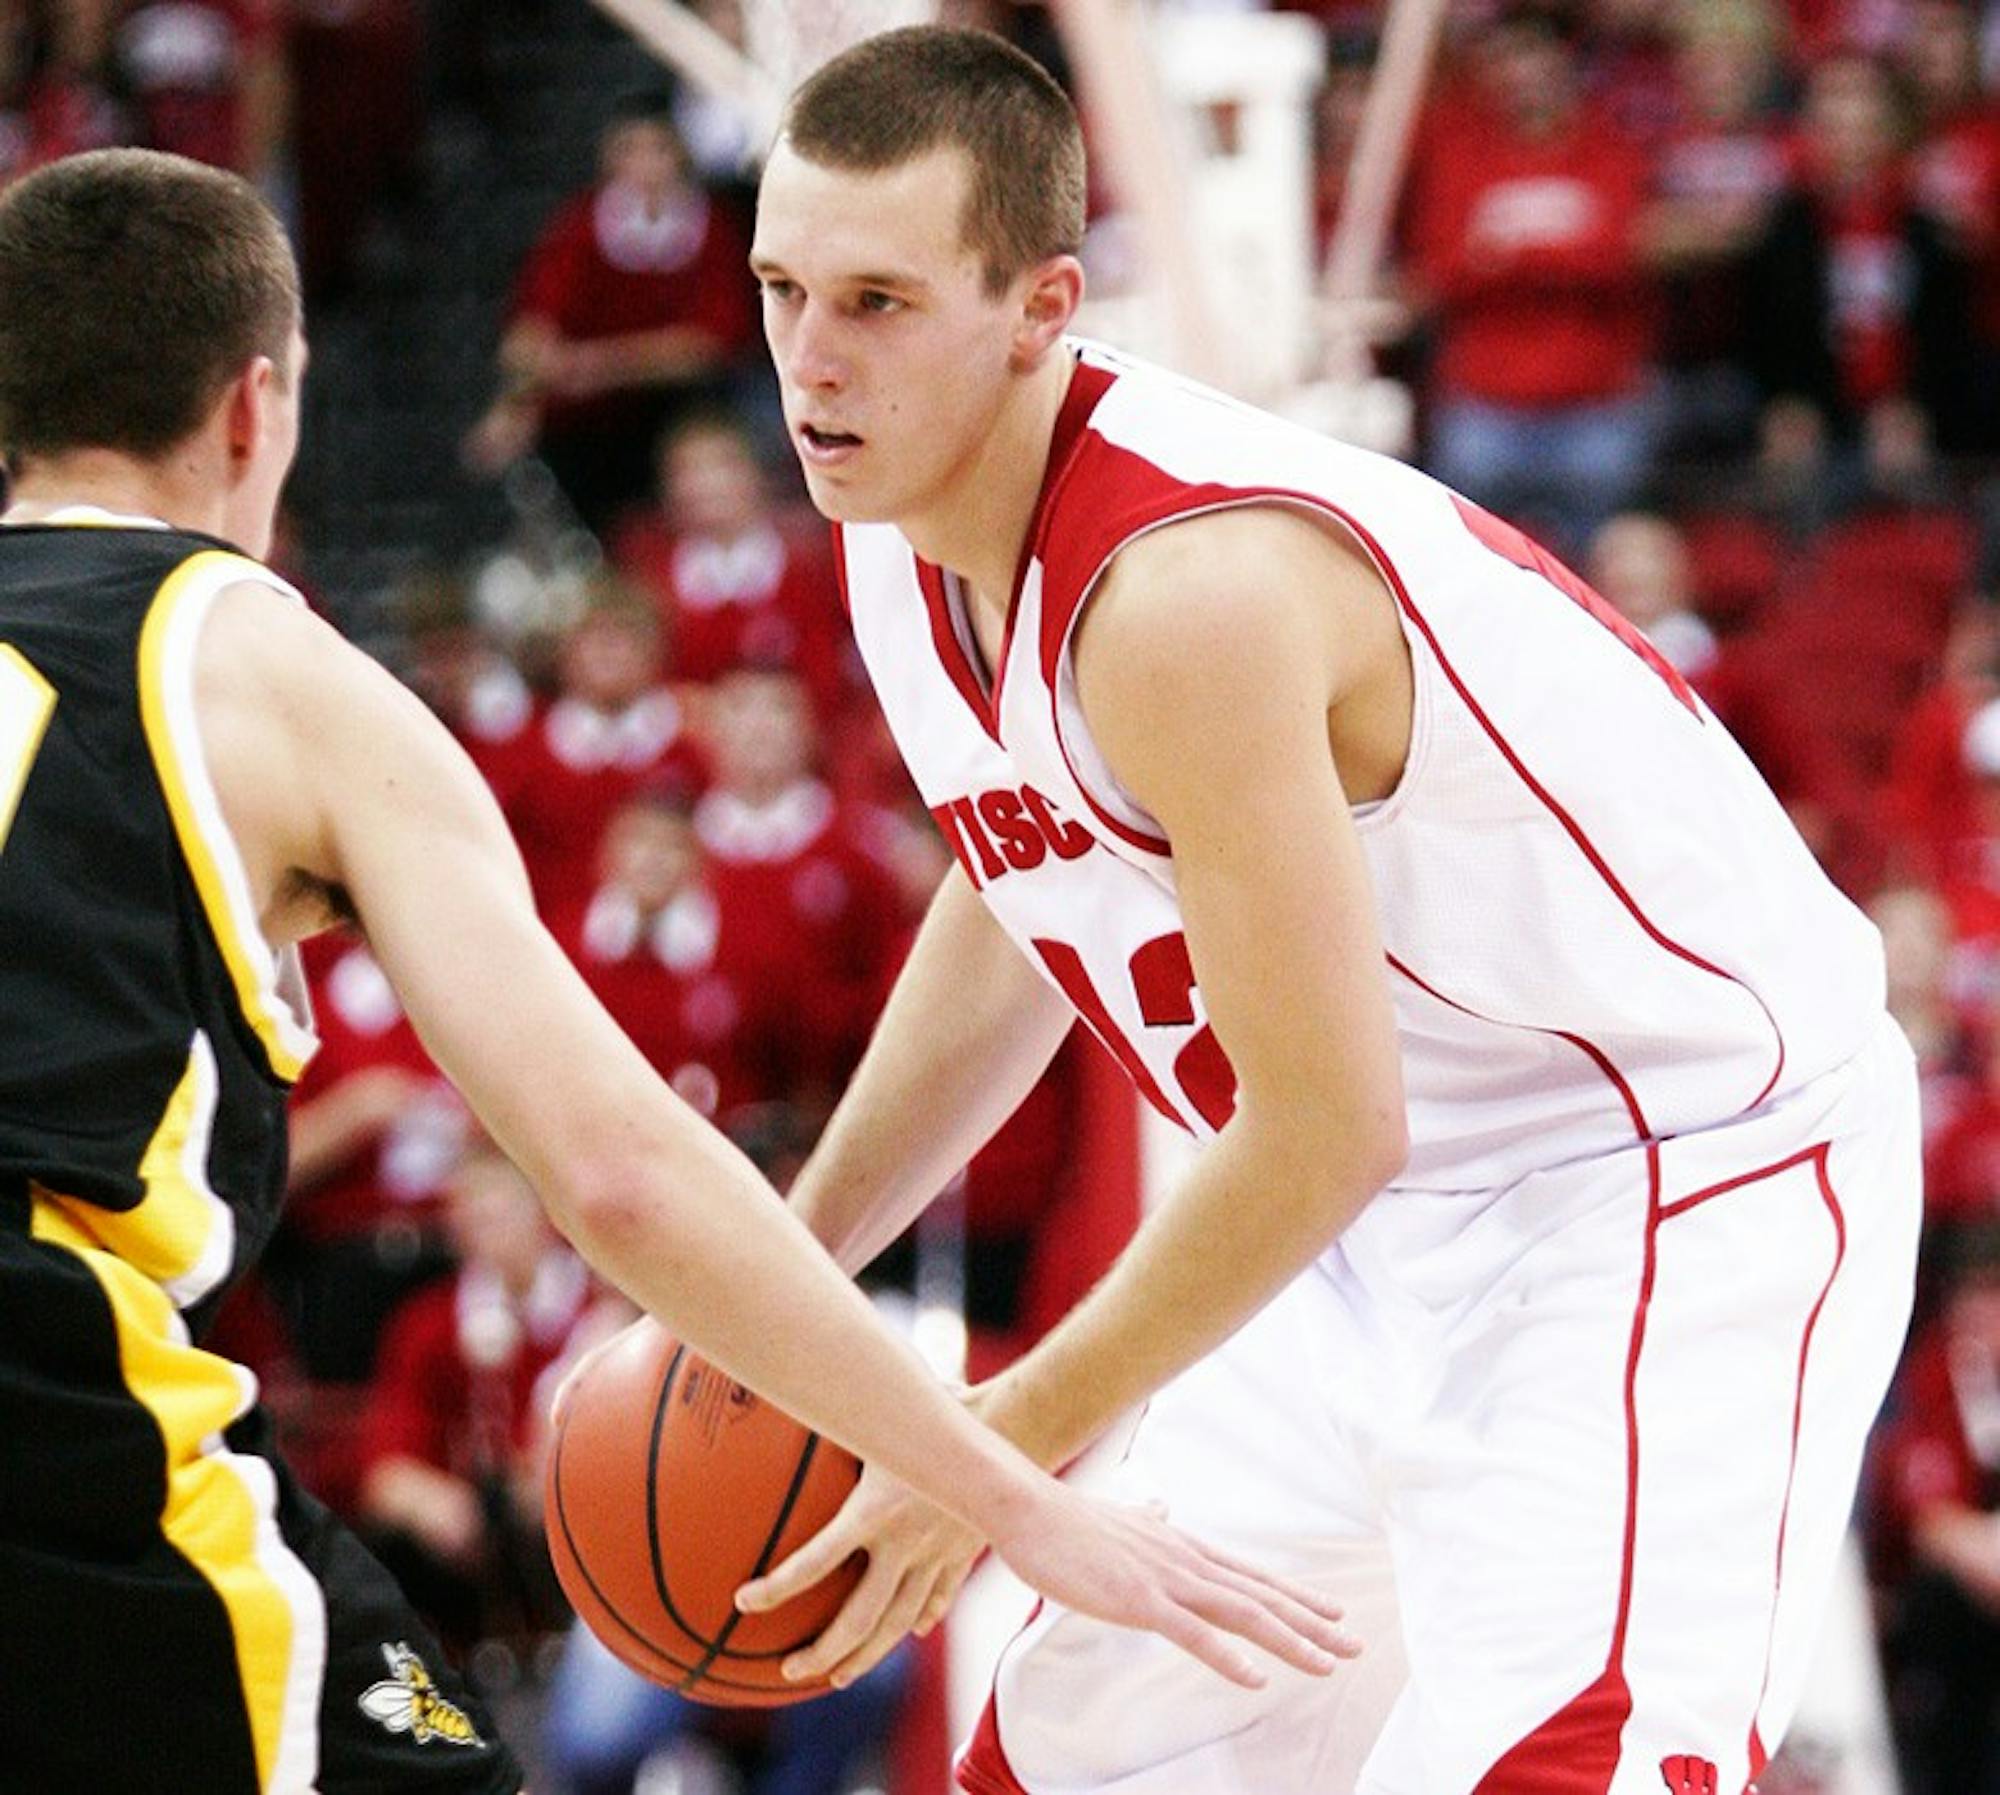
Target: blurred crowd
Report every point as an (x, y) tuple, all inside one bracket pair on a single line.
[(1703, 293)]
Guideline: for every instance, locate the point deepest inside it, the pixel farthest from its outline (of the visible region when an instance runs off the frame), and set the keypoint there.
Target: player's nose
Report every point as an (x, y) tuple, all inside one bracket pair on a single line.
[(813, 358)]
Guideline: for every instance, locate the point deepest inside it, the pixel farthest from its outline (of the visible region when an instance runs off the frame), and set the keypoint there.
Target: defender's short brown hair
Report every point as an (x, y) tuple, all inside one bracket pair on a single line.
[(133, 288), (905, 93)]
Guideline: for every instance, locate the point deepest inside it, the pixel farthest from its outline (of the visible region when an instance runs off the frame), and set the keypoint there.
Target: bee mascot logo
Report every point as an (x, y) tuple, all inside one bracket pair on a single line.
[(407, 1701)]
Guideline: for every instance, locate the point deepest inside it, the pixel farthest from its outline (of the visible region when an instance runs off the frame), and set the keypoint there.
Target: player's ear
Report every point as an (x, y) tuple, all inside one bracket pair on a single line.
[(1053, 291), (246, 407)]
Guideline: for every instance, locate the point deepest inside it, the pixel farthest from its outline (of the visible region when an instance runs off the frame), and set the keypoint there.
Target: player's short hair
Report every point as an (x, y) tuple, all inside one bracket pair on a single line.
[(134, 286), (905, 93)]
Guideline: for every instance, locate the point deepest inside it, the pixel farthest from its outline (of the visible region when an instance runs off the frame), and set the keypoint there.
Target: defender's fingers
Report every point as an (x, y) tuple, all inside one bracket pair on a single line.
[(1303, 1593), (1212, 1647), (888, 1634), (817, 1559), (857, 1622), (1249, 1618), (1284, 1600)]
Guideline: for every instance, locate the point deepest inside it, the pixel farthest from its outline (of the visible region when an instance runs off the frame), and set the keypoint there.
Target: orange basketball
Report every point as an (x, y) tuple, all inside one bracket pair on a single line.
[(668, 1486)]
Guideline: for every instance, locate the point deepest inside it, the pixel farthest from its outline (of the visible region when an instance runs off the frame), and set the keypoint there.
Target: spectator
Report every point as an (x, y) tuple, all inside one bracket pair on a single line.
[(1526, 241), (207, 79), (1639, 562), (1955, 182), (1718, 174), (1859, 330), (451, 1480), (374, 1130), (1931, 796), (613, 726), (734, 579), (635, 303), (672, 966), (456, 668), (784, 851), (54, 96), (1939, 1471)]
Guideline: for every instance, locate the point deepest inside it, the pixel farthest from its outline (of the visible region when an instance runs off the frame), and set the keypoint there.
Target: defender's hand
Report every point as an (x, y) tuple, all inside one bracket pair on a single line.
[(1128, 1566), (918, 1556)]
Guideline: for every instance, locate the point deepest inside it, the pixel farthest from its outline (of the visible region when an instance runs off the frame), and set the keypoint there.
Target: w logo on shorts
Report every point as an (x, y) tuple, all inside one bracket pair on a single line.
[(1689, 1776)]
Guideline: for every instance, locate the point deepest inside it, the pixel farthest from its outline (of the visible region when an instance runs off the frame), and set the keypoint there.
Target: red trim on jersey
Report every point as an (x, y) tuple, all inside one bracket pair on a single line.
[(1598, 1056), (951, 655), (1681, 1204), (840, 570), (981, 1767), (1138, 838), (982, 695), (1818, 1156), (1576, 1750)]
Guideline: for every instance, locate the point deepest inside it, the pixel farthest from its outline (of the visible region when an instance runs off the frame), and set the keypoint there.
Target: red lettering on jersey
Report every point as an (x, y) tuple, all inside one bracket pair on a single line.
[(991, 866), (1071, 841), (1523, 552), (1023, 844), (1002, 831)]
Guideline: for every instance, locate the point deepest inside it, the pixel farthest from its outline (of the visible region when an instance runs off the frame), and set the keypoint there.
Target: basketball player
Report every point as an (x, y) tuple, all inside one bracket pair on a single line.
[(1555, 1208), (194, 772)]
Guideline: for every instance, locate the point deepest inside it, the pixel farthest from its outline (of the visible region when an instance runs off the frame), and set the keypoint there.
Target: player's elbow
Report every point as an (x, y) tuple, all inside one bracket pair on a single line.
[(610, 1204)]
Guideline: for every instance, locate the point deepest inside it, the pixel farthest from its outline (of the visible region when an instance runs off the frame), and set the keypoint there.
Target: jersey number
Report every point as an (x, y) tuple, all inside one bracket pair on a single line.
[(27, 701), (1163, 982)]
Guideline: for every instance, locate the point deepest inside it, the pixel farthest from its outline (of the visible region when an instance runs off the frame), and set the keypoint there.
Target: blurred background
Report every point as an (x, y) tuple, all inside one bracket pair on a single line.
[(1705, 294)]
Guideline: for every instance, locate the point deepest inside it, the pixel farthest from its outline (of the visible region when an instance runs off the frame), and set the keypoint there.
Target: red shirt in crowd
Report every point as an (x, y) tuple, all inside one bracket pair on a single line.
[(769, 598), (692, 989), (362, 1028), (1955, 177), (184, 63), (561, 778), (605, 268), (1529, 249), (1943, 1445), (822, 915), (456, 1381)]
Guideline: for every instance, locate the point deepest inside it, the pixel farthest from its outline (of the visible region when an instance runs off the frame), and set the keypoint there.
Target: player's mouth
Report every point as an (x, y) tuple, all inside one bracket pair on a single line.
[(826, 448)]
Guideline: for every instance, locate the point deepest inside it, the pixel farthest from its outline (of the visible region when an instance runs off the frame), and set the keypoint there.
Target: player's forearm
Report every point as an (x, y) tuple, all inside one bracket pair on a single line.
[(1259, 1205), (968, 1029), (682, 1222)]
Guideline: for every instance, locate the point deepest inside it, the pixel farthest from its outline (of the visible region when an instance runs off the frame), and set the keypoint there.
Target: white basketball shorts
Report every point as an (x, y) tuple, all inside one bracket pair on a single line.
[(1606, 1427)]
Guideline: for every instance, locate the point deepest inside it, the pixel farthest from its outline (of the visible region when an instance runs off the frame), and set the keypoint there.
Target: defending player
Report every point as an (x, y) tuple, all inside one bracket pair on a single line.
[(195, 772), (1556, 1211)]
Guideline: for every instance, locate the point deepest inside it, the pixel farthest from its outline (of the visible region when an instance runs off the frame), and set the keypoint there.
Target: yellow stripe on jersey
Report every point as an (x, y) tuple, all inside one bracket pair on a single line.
[(27, 702), (221, 1507), (166, 704), (180, 1233)]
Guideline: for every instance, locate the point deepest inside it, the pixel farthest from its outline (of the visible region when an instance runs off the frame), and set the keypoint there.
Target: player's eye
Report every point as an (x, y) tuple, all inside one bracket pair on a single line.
[(778, 288), (874, 300)]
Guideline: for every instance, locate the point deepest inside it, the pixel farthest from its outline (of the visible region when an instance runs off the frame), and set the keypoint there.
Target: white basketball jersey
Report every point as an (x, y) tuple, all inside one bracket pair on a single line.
[(1599, 924)]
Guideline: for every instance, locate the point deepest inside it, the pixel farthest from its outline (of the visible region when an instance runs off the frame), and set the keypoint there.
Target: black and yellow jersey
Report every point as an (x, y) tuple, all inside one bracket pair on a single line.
[(148, 1034)]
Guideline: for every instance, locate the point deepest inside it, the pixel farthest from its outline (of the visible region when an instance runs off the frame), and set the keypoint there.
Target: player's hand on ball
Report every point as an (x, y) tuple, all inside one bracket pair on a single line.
[(918, 1556), (1128, 1566)]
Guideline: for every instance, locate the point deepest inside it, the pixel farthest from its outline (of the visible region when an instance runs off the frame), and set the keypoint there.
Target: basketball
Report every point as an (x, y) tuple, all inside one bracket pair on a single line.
[(667, 1487)]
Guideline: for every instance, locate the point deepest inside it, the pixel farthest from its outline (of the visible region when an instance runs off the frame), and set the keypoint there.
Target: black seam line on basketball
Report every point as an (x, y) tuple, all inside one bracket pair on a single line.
[(660, 1588), (582, 1565), (763, 1558), (610, 1607)]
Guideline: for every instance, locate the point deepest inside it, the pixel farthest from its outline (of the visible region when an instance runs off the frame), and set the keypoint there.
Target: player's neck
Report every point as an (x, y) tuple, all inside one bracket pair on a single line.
[(168, 491), (977, 527)]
